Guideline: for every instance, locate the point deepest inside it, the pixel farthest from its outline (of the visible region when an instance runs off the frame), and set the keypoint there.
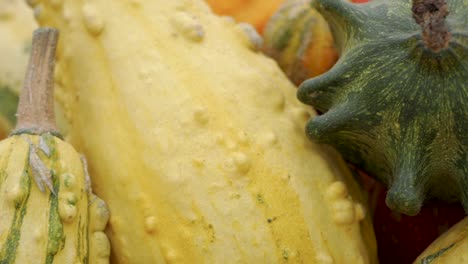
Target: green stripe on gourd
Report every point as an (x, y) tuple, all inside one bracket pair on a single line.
[(44, 196), (394, 106), (56, 235), (8, 251)]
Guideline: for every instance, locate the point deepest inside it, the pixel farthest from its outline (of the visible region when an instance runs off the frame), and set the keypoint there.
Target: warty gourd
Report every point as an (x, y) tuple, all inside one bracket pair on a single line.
[(195, 140), (47, 210), (396, 102)]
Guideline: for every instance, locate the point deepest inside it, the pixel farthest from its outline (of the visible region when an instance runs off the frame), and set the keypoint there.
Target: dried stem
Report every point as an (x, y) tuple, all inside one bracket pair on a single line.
[(36, 104), (430, 15)]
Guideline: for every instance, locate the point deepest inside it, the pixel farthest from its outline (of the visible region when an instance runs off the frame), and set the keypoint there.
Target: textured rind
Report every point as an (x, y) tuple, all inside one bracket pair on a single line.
[(299, 39), (392, 106), (203, 159), (40, 227), (450, 248)]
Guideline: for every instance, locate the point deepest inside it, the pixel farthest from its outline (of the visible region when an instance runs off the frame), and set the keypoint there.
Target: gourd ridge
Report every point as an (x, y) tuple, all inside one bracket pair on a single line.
[(393, 106)]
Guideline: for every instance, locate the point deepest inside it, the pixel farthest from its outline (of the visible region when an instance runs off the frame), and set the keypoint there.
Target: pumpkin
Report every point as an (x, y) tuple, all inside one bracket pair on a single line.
[(450, 248), (16, 26), (48, 214), (255, 12), (396, 102), (299, 39), (204, 159)]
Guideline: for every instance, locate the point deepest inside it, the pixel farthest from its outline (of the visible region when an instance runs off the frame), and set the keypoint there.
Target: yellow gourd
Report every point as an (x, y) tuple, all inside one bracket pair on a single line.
[(450, 248), (48, 213), (196, 141)]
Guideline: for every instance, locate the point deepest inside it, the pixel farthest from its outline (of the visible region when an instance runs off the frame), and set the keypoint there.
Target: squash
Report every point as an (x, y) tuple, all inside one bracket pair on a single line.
[(48, 215), (299, 39), (254, 12), (16, 27), (203, 159), (450, 248), (396, 103)]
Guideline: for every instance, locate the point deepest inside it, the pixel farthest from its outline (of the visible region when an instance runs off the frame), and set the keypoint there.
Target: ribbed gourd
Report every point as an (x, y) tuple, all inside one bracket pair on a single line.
[(195, 140), (48, 213), (16, 27), (450, 248), (299, 39), (396, 103)]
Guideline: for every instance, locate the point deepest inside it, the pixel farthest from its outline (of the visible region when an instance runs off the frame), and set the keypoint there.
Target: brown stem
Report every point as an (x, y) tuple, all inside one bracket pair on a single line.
[(430, 15), (36, 104)]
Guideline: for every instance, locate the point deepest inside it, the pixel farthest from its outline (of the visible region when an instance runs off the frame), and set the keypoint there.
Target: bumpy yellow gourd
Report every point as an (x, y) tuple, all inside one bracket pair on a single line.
[(47, 211), (196, 141), (44, 227), (450, 248)]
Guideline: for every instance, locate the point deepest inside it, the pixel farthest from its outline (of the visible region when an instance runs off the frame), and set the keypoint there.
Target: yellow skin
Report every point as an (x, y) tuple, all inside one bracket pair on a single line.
[(43, 226), (196, 141), (450, 248)]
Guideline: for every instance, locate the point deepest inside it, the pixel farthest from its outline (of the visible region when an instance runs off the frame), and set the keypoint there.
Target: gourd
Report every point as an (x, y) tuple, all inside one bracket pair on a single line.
[(48, 214), (255, 12), (450, 248), (396, 103), (299, 39), (16, 27), (204, 158)]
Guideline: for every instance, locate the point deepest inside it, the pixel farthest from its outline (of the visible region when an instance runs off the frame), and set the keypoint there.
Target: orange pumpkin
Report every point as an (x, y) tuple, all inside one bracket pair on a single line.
[(255, 12)]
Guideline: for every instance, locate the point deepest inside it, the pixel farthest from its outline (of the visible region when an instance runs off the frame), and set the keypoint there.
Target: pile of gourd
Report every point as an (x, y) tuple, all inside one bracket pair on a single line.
[(189, 127)]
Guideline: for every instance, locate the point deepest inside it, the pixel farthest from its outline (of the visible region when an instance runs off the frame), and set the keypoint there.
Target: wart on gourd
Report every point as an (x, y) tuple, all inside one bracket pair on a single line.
[(54, 216), (396, 103)]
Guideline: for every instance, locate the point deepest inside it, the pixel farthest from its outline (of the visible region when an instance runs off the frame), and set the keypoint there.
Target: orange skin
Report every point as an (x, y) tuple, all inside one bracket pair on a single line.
[(255, 12)]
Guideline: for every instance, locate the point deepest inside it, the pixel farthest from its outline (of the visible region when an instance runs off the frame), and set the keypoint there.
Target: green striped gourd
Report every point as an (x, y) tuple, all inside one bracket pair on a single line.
[(48, 213), (396, 103)]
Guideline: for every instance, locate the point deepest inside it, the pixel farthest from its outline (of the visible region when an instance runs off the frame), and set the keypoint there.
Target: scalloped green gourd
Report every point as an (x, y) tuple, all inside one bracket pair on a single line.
[(393, 106)]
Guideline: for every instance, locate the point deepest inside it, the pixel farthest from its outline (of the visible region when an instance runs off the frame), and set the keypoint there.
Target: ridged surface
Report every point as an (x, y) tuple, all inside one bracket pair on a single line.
[(196, 141), (40, 227), (299, 39), (392, 106)]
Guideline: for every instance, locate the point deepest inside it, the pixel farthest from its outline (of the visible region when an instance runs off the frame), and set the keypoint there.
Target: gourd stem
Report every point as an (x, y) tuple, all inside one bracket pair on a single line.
[(430, 15), (36, 104)]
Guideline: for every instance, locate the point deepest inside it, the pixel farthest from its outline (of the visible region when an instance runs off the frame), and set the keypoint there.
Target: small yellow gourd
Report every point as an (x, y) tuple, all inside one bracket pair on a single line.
[(450, 248), (48, 213), (196, 142)]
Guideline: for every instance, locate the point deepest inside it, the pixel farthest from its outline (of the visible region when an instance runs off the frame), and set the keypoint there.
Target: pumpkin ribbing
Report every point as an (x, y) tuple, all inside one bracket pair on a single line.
[(394, 106)]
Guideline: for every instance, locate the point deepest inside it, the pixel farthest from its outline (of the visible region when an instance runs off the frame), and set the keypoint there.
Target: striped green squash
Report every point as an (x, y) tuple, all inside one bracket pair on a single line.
[(48, 213), (48, 227), (396, 103)]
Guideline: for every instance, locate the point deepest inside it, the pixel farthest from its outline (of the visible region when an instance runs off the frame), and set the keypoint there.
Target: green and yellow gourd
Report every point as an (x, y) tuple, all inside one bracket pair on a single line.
[(299, 39), (450, 248), (396, 103), (204, 158), (47, 212), (16, 27)]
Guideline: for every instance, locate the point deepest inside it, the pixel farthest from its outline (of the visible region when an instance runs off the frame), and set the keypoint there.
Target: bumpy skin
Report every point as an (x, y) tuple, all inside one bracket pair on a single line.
[(392, 106), (44, 227), (203, 159)]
